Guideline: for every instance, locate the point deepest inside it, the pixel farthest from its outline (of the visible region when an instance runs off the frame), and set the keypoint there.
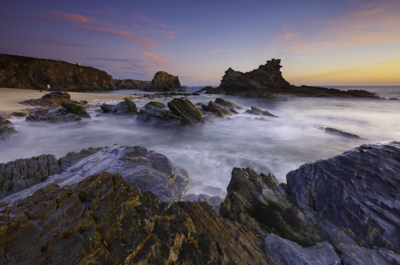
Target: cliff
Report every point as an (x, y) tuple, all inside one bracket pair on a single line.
[(33, 73), (162, 81), (131, 84)]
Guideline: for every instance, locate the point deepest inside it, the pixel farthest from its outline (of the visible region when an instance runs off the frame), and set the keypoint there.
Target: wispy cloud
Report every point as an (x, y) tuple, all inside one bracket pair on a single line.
[(209, 52), (372, 23), (158, 60), (145, 18)]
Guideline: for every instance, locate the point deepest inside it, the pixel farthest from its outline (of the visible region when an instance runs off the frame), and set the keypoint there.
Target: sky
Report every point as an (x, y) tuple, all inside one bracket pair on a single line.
[(320, 42)]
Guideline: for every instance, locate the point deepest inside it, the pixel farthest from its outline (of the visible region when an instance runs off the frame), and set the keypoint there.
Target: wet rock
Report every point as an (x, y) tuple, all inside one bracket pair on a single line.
[(23, 173), (257, 111), (6, 129), (19, 114), (75, 109), (158, 115), (188, 112), (341, 133), (72, 158), (351, 254), (357, 191), (227, 104), (53, 99), (52, 115), (102, 220), (283, 251), (162, 81), (393, 99), (124, 107), (218, 110)]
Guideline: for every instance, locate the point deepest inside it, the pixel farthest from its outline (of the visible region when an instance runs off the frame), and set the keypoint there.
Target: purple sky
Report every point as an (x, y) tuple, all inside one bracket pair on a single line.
[(325, 42)]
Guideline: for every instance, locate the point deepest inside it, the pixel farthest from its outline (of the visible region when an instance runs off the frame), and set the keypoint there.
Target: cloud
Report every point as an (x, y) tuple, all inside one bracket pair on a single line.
[(145, 18), (158, 60), (212, 40), (144, 42), (370, 23), (209, 52)]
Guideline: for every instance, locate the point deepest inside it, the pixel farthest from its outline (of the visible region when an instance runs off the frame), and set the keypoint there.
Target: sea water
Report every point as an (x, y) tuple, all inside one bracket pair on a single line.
[(209, 152)]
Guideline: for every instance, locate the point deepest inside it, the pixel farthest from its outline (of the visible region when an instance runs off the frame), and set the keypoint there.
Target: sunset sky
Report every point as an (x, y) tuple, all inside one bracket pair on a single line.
[(320, 42)]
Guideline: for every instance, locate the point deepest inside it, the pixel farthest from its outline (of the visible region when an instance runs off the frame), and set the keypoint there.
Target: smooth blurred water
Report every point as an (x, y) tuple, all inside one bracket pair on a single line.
[(209, 152)]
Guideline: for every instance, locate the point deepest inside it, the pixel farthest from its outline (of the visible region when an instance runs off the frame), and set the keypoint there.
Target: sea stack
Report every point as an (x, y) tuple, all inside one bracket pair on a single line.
[(163, 81)]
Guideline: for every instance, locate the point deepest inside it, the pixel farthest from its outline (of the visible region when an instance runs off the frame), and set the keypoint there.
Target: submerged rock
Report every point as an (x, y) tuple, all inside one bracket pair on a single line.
[(341, 133), (185, 109), (257, 111), (218, 110), (75, 109), (125, 107), (6, 129), (228, 104), (52, 115), (53, 99), (162, 81), (155, 113)]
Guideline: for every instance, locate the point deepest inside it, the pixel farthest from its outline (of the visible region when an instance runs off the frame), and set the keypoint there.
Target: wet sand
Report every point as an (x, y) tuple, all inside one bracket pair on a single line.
[(11, 97)]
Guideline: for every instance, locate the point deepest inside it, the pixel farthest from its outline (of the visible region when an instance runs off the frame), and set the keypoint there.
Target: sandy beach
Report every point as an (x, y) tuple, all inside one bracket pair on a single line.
[(11, 97)]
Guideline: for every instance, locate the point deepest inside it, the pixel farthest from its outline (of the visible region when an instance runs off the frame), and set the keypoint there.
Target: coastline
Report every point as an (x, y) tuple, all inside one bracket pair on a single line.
[(11, 97)]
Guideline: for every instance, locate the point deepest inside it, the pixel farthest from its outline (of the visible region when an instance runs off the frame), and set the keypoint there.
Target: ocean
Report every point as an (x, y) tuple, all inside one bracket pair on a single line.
[(209, 152)]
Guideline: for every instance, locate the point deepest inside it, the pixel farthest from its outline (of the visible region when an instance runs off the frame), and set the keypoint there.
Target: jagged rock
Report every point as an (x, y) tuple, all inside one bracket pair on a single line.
[(351, 254), (6, 129), (227, 104), (32, 73), (267, 76), (358, 191), (131, 84), (19, 114), (124, 107), (102, 220), (257, 111), (53, 99), (23, 173), (52, 115), (285, 252), (158, 115), (218, 110), (75, 109), (187, 111), (162, 81), (341, 133), (72, 158)]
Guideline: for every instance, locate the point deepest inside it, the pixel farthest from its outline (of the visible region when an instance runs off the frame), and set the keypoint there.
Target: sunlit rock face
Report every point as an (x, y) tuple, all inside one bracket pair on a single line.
[(33, 73), (358, 191), (267, 76)]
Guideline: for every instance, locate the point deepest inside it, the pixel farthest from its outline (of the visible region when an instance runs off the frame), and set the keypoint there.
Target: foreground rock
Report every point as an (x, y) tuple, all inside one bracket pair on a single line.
[(53, 99), (52, 115), (6, 128), (341, 133), (75, 109), (162, 81), (32, 73), (156, 114), (188, 112), (124, 107), (257, 111), (131, 84)]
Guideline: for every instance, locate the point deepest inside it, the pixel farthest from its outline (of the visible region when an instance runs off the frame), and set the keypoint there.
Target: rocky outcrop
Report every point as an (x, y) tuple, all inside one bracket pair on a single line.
[(341, 133), (32, 73), (72, 158), (267, 76), (162, 81), (52, 115), (125, 107), (53, 99), (257, 111), (358, 191), (75, 109), (6, 128), (227, 104), (218, 110), (188, 112), (156, 114), (131, 84)]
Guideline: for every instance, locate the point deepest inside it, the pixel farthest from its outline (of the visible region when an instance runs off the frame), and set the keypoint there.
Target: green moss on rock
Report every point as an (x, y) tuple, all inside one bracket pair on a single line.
[(157, 104)]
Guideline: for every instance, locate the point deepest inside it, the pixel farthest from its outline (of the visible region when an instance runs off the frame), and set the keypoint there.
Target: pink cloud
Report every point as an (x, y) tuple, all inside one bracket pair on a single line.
[(144, 42), (209, 52), (145, 18), (288, 36), (158, 60)]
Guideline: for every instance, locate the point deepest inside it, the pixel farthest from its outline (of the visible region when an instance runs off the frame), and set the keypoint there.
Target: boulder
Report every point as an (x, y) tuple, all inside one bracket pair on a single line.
[(227, 104), (6, 132), (162, 81), (32, 73), (357, 191), (218, 110), (52, 115), (341, 133), (155, 113), (351, 254), (257, 111), (188, 112), (75, 109), (124, 107), (53, 99)]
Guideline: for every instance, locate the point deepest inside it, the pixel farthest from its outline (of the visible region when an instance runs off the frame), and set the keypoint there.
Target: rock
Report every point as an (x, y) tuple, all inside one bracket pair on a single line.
[(162, 81), (351, 254), (52, 115), (23, 173), (267, 76), (218, 110), (283, 251), (188, 112), (32, 73), (53, 99), (72, 158), (102, 220), (131, 84), (228, 104), (124, 107), (357, 191), (19, 114), (341, 133), (75, 109), (157, 115), (257, 111), (393, 99), (5, 123), (6, 129)]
